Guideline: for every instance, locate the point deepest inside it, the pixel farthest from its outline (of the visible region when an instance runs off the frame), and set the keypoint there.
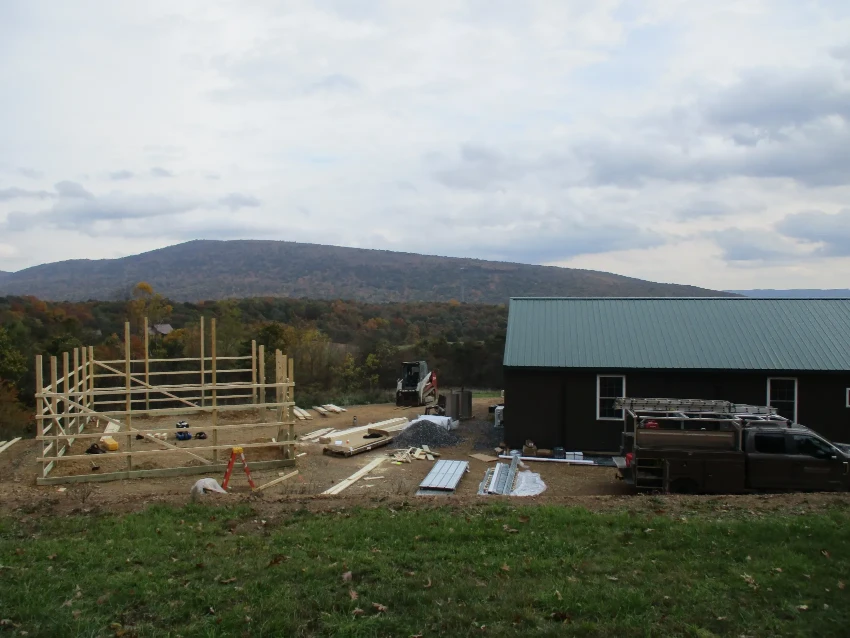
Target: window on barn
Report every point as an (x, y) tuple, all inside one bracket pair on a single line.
[(782, 395), (608, 388)]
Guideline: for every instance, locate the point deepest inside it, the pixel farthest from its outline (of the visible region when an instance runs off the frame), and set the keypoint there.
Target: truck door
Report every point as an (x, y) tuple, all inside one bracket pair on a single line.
[(768, 463), (816, 465)]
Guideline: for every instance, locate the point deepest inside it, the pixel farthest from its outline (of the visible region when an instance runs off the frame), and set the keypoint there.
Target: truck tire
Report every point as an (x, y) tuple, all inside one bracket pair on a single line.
[(684, 486)]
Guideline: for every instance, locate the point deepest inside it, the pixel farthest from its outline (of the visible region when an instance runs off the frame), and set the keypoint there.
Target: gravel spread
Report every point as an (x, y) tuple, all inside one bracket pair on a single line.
[(421, 433)]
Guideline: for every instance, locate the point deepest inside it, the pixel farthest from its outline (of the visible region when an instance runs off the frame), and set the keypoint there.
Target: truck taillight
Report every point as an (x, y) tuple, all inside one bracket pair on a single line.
[(651, 425), (629, 458)]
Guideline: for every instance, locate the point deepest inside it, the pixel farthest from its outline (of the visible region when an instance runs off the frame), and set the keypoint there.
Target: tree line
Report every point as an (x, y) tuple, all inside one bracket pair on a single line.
[(344, 351)]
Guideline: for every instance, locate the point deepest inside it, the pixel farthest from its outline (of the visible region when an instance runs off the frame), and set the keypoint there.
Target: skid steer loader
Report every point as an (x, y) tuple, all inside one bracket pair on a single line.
[(417, 386)]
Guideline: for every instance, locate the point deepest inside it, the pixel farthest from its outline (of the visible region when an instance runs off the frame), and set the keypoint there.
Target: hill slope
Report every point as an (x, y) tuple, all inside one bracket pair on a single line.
[(205, 269), (795, 293)]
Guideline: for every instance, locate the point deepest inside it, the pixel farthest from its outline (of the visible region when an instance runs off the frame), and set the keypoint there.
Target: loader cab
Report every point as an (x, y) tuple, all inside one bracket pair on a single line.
[(412, 372)]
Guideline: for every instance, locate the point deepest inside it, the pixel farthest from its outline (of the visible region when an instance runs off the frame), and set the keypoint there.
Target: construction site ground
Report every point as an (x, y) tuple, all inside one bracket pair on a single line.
[(588, 486)]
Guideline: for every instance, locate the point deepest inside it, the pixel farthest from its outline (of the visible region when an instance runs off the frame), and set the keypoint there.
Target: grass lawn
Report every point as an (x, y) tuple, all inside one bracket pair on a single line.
[(484, 571)]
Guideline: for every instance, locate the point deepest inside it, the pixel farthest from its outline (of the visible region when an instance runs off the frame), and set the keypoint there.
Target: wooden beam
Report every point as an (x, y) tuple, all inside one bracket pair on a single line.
[(290, 396), (7, 444), (262, 370), (214, 391), (128, 384), (160, 472), (145, 384), (342, 485), (91, 378), (39, 406), (254, 369), (170, 430), (203, 374), (279, 479), (147, 364), (172, 450)]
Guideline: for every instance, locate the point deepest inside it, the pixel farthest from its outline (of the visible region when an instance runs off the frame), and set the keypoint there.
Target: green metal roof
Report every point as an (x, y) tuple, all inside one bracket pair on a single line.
[(723, 333)]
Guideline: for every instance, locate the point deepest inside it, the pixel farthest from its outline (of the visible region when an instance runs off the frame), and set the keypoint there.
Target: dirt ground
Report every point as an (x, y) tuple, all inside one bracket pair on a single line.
[(587, 486)]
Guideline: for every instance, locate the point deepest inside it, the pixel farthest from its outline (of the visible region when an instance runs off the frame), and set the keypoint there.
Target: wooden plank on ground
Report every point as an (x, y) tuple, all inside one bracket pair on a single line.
[(335, 408), (484, 457), (390, 425), (280, 479), (339, 487), (320, 410), (351, 450), (8, 444)]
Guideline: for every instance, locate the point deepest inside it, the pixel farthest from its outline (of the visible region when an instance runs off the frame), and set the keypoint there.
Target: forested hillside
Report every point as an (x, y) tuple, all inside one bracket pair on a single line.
[(200, 270), (344, 351)]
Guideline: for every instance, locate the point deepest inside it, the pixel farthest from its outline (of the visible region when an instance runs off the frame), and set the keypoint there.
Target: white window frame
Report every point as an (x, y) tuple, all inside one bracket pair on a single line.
[(847, 405), (796, 391), (599, 398)]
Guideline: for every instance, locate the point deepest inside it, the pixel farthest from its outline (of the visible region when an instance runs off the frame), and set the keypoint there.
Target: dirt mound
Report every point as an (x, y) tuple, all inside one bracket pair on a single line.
[(421, 433)]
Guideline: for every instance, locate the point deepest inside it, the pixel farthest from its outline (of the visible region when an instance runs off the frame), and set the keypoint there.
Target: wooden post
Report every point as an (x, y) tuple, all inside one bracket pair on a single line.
[(291, 397), (261, 368), (91, 377), (254, 370), (203, 374), (129, 401), (147, 364), (39, 423), (84, 381), (66, 407), (213, 368), (54, 400), (75, 380)]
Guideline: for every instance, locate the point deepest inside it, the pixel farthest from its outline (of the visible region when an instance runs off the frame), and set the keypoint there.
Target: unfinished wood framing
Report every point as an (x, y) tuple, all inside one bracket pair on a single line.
[(120, 397)]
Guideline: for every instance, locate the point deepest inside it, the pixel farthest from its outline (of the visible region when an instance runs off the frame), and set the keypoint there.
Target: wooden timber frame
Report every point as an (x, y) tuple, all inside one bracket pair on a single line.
[(84, 391)]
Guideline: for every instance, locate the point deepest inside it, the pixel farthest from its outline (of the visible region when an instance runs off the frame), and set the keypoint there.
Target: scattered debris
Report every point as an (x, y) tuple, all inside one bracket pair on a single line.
[(408, 455)]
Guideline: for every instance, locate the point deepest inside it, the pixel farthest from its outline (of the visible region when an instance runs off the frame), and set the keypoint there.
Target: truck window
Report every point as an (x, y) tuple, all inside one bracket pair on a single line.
[(811, 446), (770, 443)]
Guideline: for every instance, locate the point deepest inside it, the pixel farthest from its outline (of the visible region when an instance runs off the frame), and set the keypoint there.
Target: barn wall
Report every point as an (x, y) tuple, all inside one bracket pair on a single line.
[(558, 407)]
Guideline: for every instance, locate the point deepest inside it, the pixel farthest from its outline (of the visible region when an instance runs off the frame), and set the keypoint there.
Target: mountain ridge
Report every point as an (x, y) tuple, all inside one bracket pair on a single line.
[(215, 269), (795, 293)]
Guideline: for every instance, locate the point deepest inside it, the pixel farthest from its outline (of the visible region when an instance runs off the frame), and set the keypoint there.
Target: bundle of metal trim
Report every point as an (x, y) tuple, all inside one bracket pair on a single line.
[(500, 479)]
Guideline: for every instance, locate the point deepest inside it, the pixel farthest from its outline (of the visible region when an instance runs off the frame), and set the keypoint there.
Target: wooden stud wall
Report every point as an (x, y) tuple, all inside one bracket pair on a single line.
[(130, 387)]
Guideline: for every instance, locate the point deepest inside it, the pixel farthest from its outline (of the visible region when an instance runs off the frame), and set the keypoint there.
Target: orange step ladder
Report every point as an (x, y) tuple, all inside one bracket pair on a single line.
[(234, 453)]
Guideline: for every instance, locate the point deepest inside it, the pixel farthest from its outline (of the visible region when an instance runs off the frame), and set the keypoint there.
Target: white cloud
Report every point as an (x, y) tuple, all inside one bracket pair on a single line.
[(615, 135)]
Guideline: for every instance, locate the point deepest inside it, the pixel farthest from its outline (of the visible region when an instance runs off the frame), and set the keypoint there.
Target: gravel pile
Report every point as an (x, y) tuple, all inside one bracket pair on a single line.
[(421, 433)]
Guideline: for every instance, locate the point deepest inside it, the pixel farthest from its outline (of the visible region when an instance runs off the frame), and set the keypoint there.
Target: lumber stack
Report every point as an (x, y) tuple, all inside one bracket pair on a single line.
[(390, 425)]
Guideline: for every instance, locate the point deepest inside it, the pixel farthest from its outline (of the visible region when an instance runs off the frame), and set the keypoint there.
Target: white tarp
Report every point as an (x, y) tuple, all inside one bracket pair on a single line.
[(204, 486), (528, 484), (443, 421)]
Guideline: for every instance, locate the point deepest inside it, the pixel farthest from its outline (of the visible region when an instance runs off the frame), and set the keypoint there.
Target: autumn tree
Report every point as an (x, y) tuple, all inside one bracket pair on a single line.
[(144, 302)]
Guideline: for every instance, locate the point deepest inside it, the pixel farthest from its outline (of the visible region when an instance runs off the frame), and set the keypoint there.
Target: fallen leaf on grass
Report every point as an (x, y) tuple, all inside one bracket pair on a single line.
[(524, 519), (379, 608), (505, 568), (103, 599), (68, 603), (802, 608), (76, 613), (428, 585), (227, 581), (346, 577), (777, 569), (721, 618), (51, 557), (648, 530), (353, 594), (841, 584), (558, 594), (750, 581), (509, 530), (358, 612), (277, 559), (612, 578), (199, 566), (410, 573), (560, 615), (825, 553), (825, 606)]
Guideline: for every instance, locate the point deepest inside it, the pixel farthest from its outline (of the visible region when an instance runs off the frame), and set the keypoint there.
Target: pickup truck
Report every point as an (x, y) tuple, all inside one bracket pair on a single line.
[(688, 452)]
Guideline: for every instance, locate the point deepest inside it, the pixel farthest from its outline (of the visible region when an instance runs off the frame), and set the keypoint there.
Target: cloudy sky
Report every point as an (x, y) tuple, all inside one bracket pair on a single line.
[(694, 142)]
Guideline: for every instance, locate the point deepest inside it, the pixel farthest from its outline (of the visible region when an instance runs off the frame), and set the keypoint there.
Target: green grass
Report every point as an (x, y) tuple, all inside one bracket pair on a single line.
[(205, 571)]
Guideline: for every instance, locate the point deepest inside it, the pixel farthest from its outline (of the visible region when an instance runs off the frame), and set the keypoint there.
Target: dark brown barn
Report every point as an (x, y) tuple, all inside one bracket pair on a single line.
[(566, 359)]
